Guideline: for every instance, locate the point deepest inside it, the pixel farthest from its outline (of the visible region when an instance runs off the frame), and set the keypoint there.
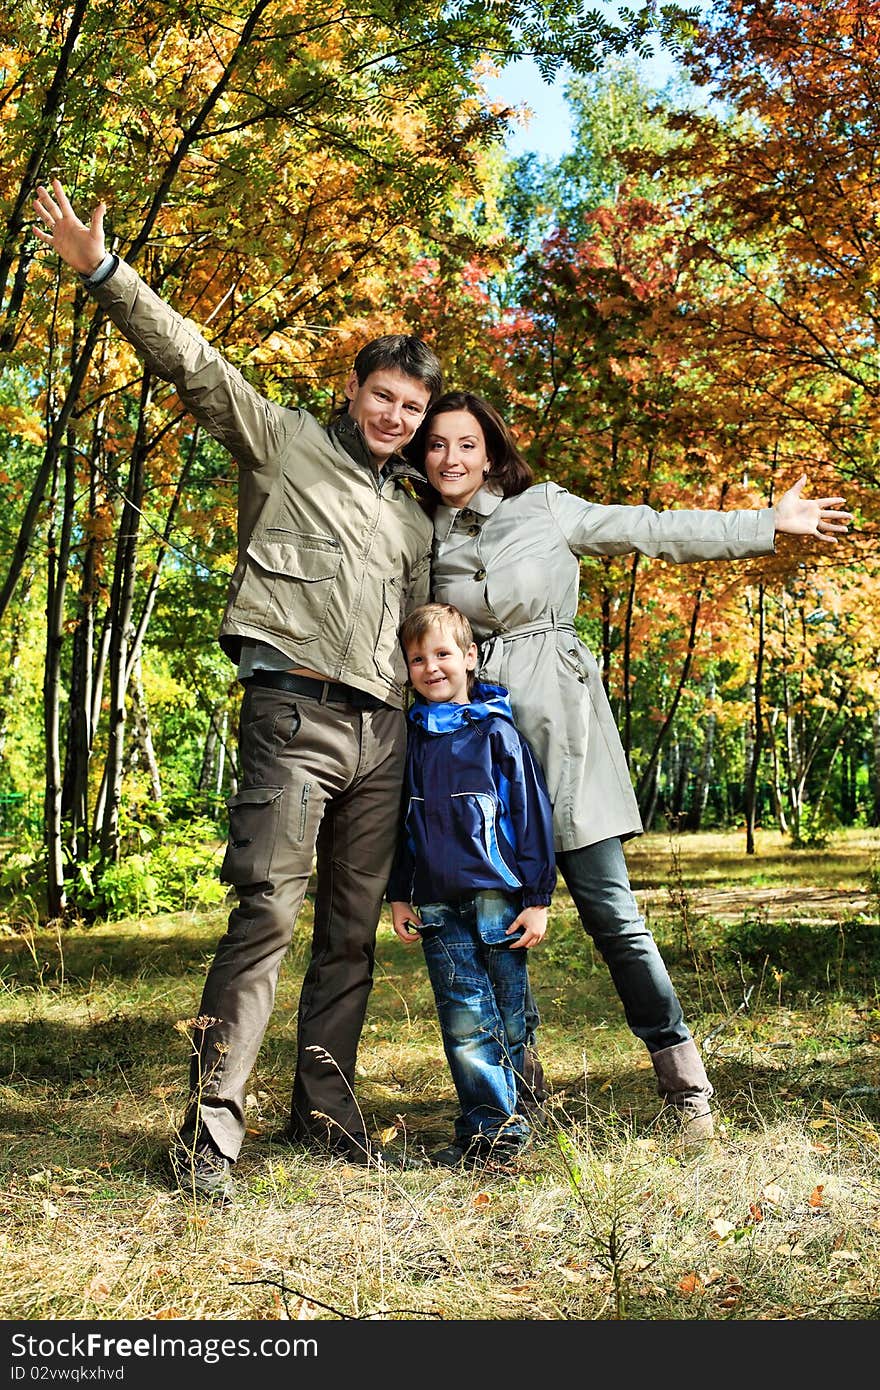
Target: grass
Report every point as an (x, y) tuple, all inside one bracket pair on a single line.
[(607, 1216)]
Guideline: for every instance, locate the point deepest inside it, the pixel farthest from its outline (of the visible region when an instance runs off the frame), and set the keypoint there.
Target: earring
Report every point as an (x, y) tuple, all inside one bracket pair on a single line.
[(485, 472)]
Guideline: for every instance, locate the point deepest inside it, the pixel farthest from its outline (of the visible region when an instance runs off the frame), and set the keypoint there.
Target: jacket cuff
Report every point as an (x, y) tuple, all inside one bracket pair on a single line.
[(535, 899), (102, 273)]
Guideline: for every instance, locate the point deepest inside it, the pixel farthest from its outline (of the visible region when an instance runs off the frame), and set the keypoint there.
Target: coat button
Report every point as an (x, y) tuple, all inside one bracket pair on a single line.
[(480, 574)]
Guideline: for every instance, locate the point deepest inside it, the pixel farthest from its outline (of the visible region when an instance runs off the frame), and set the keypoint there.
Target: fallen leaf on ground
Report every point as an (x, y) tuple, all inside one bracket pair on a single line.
[(691, 1283)]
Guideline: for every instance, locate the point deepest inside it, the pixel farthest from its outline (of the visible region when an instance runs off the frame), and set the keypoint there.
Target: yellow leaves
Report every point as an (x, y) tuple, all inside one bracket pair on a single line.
[(23, 423), (481, 1199), (815, 1198)]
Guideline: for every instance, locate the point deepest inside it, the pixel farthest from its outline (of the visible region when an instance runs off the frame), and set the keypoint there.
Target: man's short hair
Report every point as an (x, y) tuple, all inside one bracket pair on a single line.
[(420, 621), (400, 352)]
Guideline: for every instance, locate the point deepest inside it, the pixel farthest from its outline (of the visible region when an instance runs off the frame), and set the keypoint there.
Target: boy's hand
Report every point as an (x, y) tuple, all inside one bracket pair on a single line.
[(79, 246), (401, 915), (533, 920)]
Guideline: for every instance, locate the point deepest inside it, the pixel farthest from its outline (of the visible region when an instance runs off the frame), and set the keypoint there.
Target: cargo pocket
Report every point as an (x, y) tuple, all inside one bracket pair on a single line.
[(290, 572), (254, 814)]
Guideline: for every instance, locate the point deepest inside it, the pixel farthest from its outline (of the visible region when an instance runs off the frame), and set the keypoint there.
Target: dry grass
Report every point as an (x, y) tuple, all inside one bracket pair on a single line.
[(607, 1217)]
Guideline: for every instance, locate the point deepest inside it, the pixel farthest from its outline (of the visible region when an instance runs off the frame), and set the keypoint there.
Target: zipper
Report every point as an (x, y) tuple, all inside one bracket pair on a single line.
[(304, 810)]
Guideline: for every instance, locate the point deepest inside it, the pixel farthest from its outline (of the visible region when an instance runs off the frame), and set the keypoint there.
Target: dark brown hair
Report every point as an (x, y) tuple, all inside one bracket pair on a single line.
[(509, 473), (401, 352)]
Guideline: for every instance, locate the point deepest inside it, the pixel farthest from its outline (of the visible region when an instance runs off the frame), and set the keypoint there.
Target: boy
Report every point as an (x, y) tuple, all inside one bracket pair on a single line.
[(473, 874)]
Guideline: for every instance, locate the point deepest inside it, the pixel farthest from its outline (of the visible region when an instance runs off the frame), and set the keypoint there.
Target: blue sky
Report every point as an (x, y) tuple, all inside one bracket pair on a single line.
[(548, 132)]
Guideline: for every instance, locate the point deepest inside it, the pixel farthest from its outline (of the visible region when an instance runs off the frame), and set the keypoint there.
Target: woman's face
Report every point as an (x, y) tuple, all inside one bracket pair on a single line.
[(456, 461)]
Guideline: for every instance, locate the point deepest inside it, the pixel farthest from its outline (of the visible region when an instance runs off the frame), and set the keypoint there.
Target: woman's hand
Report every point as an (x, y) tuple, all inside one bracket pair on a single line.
[(533, 920), (804, 516), (402, 914), (79, 246)]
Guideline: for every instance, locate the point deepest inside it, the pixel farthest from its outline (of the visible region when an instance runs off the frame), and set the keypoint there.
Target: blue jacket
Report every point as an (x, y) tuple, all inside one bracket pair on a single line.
[(477, 814)]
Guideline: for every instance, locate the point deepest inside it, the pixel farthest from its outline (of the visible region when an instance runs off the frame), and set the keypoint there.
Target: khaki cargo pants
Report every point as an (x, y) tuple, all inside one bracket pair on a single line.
[(316, 779)]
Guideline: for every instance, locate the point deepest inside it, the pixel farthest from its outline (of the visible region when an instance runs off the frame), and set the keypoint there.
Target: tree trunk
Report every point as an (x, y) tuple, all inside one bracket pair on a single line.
[(143, 736), (50, 106), (627, 657), (121, 608), (694, 818), (10, 681), (751, 779), (648, 777), (58, 563), (778, 799)]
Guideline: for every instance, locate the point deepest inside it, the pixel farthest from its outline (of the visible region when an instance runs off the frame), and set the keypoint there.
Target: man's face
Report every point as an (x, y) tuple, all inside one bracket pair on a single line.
[(389, 407)]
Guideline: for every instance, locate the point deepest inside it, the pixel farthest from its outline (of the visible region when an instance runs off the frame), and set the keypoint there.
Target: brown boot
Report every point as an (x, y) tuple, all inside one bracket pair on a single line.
[(683, 1084), (531, 1087)]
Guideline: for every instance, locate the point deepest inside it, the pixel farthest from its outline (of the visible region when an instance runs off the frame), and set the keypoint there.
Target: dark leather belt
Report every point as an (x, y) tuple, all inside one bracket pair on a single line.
[(326, 692)]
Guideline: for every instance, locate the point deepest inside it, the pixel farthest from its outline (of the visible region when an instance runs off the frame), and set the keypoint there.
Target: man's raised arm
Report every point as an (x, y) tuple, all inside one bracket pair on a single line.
[(252, 428)]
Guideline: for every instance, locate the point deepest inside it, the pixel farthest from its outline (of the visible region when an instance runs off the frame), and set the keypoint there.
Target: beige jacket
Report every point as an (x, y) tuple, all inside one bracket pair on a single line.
[(331, 555), (511, 565)]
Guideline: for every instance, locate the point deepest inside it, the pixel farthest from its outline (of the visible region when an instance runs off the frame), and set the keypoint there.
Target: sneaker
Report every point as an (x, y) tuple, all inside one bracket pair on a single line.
[(202, 1170), (478, 1153)]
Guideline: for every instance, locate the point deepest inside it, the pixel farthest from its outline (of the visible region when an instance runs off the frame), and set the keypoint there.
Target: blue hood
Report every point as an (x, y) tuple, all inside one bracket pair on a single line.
[(442, 717)]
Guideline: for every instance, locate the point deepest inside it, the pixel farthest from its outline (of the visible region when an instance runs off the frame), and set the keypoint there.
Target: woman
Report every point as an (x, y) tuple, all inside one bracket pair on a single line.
[(506, 554)]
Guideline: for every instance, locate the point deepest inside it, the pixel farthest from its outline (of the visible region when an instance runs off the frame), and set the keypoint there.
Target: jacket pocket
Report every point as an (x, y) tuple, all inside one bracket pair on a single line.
[(388, 657), (289, 580), (254, 814)]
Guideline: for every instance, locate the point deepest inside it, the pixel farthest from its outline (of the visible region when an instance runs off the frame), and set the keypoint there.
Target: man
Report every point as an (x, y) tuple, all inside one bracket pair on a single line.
[(333, 552)]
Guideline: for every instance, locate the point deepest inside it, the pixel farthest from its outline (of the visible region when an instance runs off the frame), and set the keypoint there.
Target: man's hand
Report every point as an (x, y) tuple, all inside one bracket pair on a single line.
[(79, 246), (802, 516), (401, 916), (533, 920)]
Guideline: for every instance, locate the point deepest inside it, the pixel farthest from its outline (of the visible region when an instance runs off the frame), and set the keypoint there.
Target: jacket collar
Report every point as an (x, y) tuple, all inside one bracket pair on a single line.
[(350, 435), (482, 504), (441, 718)]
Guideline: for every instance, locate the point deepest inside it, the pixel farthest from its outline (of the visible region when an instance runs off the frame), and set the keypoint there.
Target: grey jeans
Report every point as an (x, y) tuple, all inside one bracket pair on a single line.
[(598, 881), (316, 780)]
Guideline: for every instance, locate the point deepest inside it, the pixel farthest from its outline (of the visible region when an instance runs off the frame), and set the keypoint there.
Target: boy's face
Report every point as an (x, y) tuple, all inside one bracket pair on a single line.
[(389, 407), (438, 668)]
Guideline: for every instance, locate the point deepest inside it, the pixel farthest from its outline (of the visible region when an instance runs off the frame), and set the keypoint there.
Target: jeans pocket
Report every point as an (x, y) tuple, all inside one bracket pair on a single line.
[(494, 913), (254, 814)]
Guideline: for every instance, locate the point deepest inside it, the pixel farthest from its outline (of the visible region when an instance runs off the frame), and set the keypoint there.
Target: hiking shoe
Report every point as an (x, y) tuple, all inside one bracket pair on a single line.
[(357, 1148), (200, 1169)]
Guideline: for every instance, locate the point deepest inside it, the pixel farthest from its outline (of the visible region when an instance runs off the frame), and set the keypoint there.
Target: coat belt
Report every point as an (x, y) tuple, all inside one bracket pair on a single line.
[(492, 649)]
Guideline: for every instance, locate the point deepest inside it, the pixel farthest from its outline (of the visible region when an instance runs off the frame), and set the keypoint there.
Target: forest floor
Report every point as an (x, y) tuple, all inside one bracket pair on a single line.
[(606, 1217)]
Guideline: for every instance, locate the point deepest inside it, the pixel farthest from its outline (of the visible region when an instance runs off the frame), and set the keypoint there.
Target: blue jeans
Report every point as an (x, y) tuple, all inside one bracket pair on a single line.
[(479, 987), (598, 881)]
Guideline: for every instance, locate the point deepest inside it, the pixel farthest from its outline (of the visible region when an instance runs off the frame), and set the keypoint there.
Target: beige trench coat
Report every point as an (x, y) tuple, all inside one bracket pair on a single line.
[(511, 566)]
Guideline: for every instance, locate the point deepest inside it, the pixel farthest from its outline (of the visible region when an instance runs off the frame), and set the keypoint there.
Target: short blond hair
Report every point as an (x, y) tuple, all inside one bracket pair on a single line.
[(428, 615)]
